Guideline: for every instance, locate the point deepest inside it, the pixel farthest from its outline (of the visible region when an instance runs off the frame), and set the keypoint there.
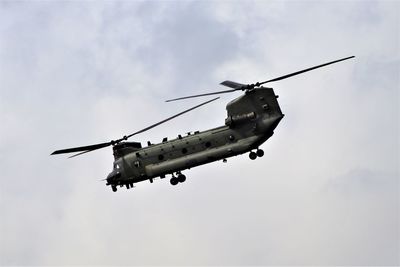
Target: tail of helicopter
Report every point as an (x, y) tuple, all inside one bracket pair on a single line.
[(255, 103)]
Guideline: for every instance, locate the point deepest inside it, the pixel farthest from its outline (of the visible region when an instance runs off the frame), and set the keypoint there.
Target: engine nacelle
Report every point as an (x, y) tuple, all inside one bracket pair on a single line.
[(231, 121)]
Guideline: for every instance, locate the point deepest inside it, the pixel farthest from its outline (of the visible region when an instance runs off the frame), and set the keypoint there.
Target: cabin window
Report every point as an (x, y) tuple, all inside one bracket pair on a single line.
[(231, 137), (160, 157), (184, 150), (208, 144)]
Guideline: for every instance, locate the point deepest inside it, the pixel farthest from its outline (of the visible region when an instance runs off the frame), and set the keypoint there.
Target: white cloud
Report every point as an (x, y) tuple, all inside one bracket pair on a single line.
[(325, 193)]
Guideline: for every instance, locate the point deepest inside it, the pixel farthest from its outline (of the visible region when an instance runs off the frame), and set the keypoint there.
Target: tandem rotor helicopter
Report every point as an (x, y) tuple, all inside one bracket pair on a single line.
[(251, 120)]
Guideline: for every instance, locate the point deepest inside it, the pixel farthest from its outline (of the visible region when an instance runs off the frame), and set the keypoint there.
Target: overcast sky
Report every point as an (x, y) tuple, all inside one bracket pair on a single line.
[(76, 73)]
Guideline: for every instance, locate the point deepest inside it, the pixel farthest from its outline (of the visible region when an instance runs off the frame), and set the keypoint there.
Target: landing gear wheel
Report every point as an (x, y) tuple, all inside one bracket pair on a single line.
[(252, 155), (174, 181), (260, 153), (181, 178), (114, 188)]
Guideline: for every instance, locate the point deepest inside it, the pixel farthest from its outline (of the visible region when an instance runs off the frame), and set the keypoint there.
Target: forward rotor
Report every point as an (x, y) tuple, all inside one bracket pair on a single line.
[(90, 148)]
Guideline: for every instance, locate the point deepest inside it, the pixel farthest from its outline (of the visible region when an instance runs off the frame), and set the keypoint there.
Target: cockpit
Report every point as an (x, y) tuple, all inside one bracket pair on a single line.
[(115, 174), (116, 166)]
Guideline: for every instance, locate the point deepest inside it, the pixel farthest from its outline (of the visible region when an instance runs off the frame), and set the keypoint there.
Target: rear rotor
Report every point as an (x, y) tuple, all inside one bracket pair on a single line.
[(246, 87)]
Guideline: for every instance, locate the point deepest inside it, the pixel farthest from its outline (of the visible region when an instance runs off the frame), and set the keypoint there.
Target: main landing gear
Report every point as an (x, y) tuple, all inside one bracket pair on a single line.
[(129, 185), (180, 178), (253, 155)]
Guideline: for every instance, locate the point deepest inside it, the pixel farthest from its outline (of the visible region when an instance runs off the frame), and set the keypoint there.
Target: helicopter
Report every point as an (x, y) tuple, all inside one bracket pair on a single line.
[(251, 120)]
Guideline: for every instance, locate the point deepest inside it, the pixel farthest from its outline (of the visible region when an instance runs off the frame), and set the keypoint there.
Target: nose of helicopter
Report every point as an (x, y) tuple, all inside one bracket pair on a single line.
[(113, 176), (109, 178)]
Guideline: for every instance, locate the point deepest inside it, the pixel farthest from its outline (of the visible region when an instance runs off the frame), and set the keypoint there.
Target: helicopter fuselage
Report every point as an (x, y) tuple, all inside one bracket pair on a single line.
[(251, 120)]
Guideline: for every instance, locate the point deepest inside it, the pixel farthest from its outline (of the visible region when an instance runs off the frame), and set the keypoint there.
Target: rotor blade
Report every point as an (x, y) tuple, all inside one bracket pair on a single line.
[(84, 152), (84, 149), (192, 96), (234, 85), (172, 117), (305, 70)]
